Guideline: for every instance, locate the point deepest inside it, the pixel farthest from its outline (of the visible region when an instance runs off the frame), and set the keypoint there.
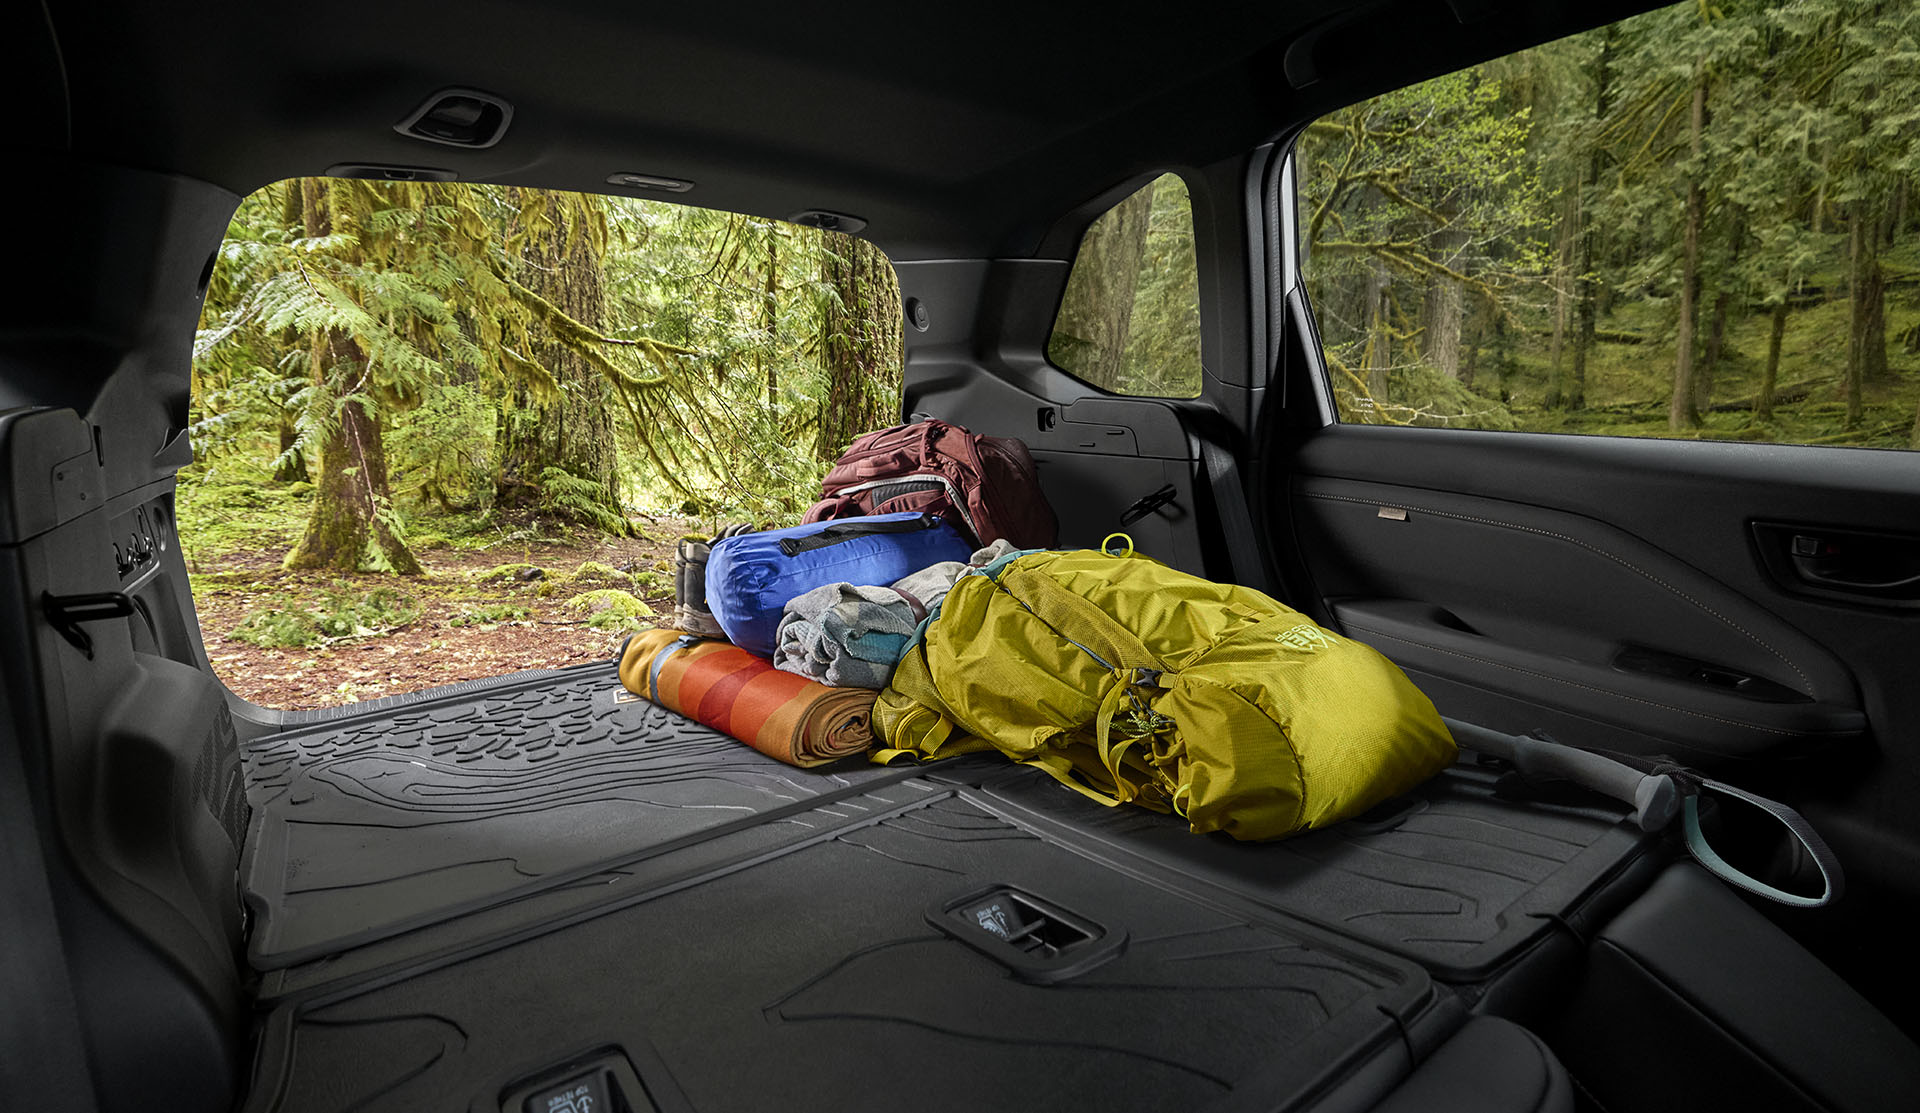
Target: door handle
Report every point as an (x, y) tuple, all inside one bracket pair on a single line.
[(1856, 562), (1844, 563)]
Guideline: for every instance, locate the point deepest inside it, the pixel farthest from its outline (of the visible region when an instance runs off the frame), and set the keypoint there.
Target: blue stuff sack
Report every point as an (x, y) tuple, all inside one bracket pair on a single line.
[(751, 577)]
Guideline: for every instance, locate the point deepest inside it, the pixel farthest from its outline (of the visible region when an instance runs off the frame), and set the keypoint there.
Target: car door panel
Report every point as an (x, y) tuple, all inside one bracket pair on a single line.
[(1563, 612), (1683, 513), (1554, 554)]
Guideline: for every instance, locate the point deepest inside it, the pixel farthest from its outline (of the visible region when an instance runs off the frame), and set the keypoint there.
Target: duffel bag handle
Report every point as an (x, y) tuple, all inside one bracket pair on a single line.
[(848, 530)]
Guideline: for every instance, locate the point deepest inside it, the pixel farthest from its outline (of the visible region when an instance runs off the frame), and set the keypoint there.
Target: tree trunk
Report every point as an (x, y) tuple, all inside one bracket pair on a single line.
[(770, 319), (1443, 327), (1710, 362), (1096, 313), (1442, 306), (351, 502), (1590, 297), (1377, 357), (1562, 299), (1897, 216), (862, 343), (1683, 412), (573, 432), (1770, 377), (1867, 292), (1873, 350), (1717, 331)]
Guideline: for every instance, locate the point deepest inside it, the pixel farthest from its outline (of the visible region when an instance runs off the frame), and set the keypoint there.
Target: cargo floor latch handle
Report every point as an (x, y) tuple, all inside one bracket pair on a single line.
[(66, 613)]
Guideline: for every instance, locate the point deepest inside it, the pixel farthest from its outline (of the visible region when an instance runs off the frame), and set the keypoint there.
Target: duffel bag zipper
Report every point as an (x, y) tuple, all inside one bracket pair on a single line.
[(953, 493), (842, 532)]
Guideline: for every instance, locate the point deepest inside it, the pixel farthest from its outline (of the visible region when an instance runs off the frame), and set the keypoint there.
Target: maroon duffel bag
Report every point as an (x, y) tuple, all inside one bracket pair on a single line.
[(988, 487)]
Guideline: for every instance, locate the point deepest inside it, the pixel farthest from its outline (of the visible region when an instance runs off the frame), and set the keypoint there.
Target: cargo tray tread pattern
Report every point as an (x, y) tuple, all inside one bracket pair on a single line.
[(816, 980), (1451, 875), (386, 823)]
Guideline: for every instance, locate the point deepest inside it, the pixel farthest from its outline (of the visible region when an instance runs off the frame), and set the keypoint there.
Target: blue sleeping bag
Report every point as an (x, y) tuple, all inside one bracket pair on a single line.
[(751, 577)]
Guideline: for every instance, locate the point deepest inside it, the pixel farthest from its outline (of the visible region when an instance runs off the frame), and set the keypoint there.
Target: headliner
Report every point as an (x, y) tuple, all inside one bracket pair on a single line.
[(954, 135)]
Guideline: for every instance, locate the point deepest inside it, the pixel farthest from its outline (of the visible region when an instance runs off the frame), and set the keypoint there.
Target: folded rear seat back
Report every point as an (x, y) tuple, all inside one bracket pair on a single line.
[(935, 953), (1691, 999), (1493, 895)]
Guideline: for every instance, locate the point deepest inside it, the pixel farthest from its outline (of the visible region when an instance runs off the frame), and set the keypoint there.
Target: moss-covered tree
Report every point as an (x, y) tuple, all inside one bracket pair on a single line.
[(568, 428), (860, 342)]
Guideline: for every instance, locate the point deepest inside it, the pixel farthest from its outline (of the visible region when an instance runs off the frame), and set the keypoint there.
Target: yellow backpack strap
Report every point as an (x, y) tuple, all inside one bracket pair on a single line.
[(1133, 667), (1111, 755), (1060, 767), (1076, 619), (911, 718)]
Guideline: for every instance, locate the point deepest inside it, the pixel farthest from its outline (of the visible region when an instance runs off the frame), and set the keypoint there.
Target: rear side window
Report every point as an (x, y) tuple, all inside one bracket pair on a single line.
[(1699, 222), (1130, 319)]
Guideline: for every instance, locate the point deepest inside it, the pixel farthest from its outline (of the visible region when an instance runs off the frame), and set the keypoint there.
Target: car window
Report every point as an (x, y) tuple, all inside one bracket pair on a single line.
[(1699, 222), (1130, 319), (446, 431)]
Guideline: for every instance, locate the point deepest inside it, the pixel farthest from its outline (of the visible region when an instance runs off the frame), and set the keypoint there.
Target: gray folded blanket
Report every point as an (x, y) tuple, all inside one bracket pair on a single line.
[(848, 636)]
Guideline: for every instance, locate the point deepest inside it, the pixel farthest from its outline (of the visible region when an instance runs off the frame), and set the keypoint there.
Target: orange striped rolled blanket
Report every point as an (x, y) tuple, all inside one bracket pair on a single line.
[(799, 721)]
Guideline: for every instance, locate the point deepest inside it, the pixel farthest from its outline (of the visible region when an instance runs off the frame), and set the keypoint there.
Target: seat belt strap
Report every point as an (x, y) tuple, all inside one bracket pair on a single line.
[(1244, 550)]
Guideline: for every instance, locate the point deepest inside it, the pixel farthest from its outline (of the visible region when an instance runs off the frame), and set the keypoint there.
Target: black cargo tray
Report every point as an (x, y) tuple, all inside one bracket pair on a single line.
[(1451, 875), (944, 957), (379, 823)]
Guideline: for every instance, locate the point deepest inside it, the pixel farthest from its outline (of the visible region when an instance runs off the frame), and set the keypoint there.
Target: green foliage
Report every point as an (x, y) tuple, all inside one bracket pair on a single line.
[(230, 506), (382, 610), (610, 609), (441, 451), (569, 497), (1423, 396), (423, 303), (1130, 319), (487, 614), (343, 613), (279, 628), (592, 572), (1480, 245), (1162, 358), (506, 573)]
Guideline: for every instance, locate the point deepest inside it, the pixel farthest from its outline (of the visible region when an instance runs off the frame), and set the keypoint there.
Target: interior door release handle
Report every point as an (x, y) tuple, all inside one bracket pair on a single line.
[(1855, 563)]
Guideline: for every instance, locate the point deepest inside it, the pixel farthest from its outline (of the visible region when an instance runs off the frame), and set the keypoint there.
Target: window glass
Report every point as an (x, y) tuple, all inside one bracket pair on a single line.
[(1130, 320), (1699, 222), (447, 431)]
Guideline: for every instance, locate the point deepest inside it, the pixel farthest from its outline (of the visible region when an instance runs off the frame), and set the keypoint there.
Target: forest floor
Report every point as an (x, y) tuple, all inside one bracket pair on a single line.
[(299, 640)]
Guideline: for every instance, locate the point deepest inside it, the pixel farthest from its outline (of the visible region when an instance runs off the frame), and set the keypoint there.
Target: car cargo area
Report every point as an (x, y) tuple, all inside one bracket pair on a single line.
[(1358, 556), (467, 899)]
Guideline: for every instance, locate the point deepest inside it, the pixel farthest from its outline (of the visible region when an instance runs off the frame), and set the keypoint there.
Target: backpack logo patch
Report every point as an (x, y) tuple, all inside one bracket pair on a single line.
[(1306, 638)]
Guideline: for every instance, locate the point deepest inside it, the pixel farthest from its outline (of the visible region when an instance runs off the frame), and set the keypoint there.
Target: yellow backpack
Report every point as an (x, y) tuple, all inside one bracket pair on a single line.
[(1131, 682)]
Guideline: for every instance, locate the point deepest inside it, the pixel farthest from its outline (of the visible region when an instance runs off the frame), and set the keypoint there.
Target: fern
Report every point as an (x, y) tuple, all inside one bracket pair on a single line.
[(565, 495)]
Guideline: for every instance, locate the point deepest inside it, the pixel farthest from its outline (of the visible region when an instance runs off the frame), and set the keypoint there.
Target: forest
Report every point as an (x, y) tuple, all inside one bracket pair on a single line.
[(1129, 319), (1699, 222), (430, 378)]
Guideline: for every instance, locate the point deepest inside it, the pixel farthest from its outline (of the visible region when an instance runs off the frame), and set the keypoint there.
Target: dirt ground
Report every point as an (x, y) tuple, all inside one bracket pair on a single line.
[(436, 648)]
